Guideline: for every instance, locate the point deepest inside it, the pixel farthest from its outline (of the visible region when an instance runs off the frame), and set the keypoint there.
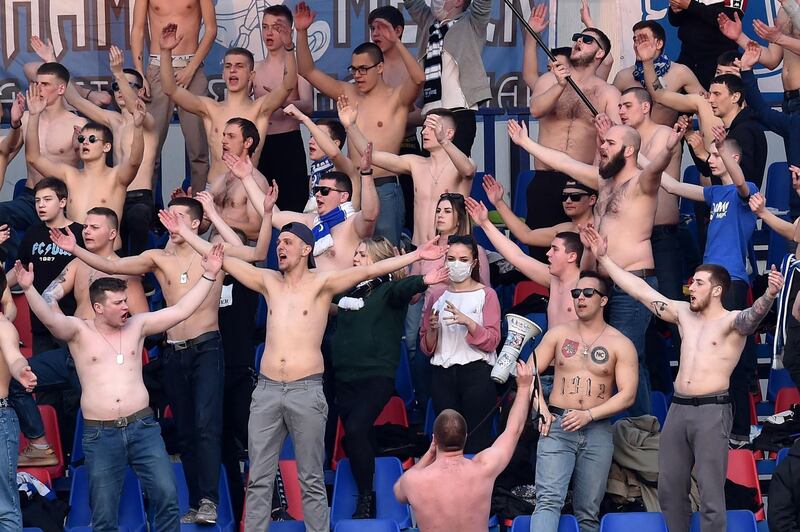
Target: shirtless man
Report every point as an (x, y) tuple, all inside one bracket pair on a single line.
[(451, 492), (237, 72), (289, 394), (193, 356), (565, 122), (96, 184), (119, 428), (187, 61), (12, 364), (561, 273), (447, 169), (695, 434), (577, 440), (626, 208), (55, 141), (673, 76), (383, 110), (283, 158), (9, 145)]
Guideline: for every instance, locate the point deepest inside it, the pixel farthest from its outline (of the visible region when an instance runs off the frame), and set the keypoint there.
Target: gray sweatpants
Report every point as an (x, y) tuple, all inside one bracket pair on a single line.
[(694, 436), (299, 409)]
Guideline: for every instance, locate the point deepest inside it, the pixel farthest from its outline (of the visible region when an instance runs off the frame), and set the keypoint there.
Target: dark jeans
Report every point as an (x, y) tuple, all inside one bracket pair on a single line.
[(44, 341), (466, 127), (54, 370), (360, 402), (469, 390), (19, 214), (194, 379), (137, 218), (744, 374), (239, 385)]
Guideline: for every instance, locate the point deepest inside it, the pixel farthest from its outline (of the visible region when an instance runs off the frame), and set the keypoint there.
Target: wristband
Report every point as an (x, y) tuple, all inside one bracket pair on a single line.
[(207, 279), (366, 173), (290, 49), (18, 126), (589, 411)]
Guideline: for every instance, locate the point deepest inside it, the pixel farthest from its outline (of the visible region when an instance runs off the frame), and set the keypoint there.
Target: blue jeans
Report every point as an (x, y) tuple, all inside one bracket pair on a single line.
[(390, 219), (420, 363), (585, 456), (631, 318), (195, 381), (19, 214), (54, 370), (108, 453), (10, 514)]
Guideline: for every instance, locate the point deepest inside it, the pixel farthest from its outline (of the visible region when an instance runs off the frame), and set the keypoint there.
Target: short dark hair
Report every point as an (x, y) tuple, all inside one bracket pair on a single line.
[(238, 50), (641, 95), (371, 49), (450, 431), (249, 131), (565, 51), (98, 288), (280, 10), (572, 243), (194, 206), (444, 113), (733, 145), (390, 14), (342, 181), (51, 183), (56, 69), (655, 27), (734, 85), (602, 40), (111, 216), (590, 274), (135, 73), (718, 276), (728, 58), (337, 130), (108, 136)]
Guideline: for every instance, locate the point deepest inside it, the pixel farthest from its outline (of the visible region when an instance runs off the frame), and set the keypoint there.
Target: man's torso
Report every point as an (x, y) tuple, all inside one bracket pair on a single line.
[(186, 15), (429, 184), (269, 75)]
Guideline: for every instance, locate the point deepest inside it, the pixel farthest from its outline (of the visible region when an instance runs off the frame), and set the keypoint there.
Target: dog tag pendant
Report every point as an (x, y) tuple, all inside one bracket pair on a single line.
[(184, 277), (120, 359)]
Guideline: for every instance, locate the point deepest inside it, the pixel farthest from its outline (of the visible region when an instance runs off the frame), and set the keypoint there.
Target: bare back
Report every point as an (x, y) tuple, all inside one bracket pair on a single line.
[(55, 139), (186, 14)]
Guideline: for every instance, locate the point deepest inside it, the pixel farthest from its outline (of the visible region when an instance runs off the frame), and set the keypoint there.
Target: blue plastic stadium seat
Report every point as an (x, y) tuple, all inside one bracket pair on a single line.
[(345, 493), (626, 522), (567, 523), (783, 453), (131, 507), (224, 509), (287, 451), (402, 379), (430, 417), (520, 199), (660, 406), (778, 378), (367, 525), (259, 354), (778, 186), (19, 186), (77, 456), (738, 521), (287, 526)]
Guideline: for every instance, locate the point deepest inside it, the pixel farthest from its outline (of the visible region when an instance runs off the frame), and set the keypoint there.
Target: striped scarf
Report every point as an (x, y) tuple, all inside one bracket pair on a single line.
[(432, 91)]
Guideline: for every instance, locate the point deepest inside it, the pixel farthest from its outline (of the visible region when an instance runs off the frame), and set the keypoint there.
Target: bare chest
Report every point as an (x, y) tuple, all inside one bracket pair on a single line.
[(571, 107)]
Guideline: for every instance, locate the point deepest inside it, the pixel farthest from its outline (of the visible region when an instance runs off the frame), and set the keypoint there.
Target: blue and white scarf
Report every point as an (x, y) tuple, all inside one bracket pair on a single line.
[(661, 63), (323, 239)]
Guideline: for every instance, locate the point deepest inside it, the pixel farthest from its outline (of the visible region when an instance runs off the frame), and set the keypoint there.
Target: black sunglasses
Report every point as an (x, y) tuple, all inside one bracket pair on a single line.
[(587, 39), (91, 138), (587, 292), (573, 196), (459, 239), (324, 191), (115, 86), (452, 196), (361, 70)]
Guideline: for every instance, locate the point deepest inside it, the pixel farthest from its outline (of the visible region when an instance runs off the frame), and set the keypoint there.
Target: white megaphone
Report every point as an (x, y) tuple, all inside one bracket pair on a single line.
[(520, 330)]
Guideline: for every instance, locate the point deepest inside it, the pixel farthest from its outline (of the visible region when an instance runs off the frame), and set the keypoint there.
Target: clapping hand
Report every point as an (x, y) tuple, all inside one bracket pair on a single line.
[(517, 131), (732, 29), (757, 204), (17, 109), (36, 102), (347, 113), (591, 238), (115, 59), (5, 233), (494, 190), (270, 198), (24, 275), (169, 37)]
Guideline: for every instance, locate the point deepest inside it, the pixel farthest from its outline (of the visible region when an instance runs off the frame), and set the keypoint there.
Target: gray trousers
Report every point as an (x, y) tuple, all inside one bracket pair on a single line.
[(694, 436), (194, 133), (299, 409)]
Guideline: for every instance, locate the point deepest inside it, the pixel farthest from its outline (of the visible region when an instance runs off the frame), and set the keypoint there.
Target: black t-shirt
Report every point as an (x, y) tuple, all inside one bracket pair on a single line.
[(48, 261), (237, 310)]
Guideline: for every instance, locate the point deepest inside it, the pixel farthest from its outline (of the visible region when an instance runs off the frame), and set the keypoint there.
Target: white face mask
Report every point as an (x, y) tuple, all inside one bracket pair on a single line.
[(459, 271)]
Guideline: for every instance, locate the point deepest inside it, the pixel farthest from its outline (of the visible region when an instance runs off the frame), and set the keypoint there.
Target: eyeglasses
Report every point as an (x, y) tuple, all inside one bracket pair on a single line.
[(587, 292), (586, 38), (573, 196), (324, 191), (91, 138), (467, 240), (361, 70), (452, 196), (115, 86)]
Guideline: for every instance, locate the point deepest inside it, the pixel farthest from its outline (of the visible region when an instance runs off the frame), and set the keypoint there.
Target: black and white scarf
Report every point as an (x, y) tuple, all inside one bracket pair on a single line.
[(354, 300), (432, 91)]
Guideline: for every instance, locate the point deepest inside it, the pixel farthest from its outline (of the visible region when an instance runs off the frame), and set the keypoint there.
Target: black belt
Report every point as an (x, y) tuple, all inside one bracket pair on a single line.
[(665, 229), (385, 180), (643, 272), (556, 410), (722, 399), (120, 422), (136, 194), (180, 345), (794, 93)]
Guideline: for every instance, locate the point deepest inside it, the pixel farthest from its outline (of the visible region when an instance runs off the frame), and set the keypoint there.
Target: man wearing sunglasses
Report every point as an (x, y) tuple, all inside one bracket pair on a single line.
[(566, 124), (383, 109), (591, 360), (694, 439)]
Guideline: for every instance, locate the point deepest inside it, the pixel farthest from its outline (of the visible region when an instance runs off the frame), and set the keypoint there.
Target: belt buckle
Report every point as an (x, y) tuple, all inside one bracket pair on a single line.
[(121, 422), (180, 345), (695, 401)]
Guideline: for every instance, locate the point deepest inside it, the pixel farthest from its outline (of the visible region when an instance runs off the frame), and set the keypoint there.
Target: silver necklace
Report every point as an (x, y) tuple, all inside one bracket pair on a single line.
[(586, 346), (120, 358), (185, 275)]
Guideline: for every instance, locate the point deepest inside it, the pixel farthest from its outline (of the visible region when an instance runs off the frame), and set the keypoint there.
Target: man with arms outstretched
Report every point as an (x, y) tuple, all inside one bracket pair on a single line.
[(451, 492), (694, 440), (119, 428)]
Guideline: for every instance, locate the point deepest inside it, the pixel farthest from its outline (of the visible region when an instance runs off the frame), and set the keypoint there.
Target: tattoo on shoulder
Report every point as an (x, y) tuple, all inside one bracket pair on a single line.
[(659, 307)]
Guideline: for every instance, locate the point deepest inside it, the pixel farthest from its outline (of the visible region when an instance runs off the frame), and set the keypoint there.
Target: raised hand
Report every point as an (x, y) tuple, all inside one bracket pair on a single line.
[(439, 275), (139, 113), (430, 251), (795, 171), (477, 211), (36, 102), (695, 140), (294, 112), (435, 123), (179, 193), (385, 30), (758, 204), (240, 167), (170, 221), (517, 131), (719, 135), (602, 124), (65, 241), (5, 233), (561, 72), (538, 19), (751, 55), (774, 282), (115, 59), (365, 165), (18, 108), (212, 261), (586, 16), (596, 242), (766, 32), (494, 190), (24, 275), (645, 48), (347, 113), (678, 131), (207, 201), (44, 49), (270, 197), (732, 29), (303, 16), (169, 38)]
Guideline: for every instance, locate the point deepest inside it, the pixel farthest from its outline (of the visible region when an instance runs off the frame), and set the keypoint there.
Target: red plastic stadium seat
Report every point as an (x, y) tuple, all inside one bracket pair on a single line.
[(53, 435), (23, 325), (742, 470), (394, 412), (526, 288), (39, 473), (786, 398)]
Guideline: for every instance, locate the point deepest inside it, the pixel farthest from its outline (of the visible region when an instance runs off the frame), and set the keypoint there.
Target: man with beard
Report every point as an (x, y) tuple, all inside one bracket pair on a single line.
[(626, 207), (695, 434)]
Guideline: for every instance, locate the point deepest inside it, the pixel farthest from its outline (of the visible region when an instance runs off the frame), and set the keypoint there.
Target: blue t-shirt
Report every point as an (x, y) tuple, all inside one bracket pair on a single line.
[(729, 231)]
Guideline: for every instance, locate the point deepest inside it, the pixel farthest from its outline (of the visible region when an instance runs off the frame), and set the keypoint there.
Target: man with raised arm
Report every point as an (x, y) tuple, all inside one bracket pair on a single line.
[(96, 183), (237, 72), (119, 428), (626, 208), (384, 110), (694, 440), (446, 169), (186, 60), (451, 492), (193, 356)]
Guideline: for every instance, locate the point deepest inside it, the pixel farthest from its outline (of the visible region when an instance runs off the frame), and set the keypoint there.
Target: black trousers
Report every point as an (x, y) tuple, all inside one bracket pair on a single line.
[(544, 205), (466, 127), (360, 402), (744, 374), (137, 218), (791, 347), (283, 159)]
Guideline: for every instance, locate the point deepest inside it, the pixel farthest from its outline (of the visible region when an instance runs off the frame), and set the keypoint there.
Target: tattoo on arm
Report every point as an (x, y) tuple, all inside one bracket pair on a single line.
[(659, 307), (657, 85), (54, 291), (748, 320)]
